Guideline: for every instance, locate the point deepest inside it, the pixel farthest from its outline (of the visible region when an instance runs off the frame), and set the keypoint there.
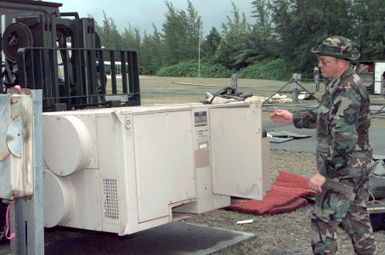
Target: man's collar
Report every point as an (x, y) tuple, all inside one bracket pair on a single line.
[(347, 72)]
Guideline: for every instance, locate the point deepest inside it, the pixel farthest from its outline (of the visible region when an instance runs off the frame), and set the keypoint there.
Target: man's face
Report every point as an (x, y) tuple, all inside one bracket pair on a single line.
[(328, 66)]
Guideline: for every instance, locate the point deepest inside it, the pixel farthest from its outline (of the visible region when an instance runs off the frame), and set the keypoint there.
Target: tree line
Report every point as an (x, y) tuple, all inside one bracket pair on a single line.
[(279, 37)]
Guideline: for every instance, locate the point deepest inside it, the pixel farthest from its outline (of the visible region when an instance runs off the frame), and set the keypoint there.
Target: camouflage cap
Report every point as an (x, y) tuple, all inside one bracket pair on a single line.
[(338, 47)]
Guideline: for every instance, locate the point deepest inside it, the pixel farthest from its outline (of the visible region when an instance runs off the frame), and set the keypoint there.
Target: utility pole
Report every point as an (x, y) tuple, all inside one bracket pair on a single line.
[(199, 49)]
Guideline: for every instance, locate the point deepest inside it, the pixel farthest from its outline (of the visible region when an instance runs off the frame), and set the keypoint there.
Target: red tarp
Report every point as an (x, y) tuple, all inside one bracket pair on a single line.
[(285, 195)]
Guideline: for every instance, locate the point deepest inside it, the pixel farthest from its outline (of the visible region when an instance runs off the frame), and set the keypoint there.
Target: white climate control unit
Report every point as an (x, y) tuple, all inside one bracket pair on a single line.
[(123, 170)]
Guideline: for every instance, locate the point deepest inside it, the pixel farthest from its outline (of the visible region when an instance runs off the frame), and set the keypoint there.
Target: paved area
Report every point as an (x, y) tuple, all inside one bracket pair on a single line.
[(174, 238), (376, 137)]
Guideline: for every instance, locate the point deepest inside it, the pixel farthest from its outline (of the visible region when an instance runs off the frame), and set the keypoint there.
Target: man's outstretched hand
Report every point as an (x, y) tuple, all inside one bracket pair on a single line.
[(282, 116)]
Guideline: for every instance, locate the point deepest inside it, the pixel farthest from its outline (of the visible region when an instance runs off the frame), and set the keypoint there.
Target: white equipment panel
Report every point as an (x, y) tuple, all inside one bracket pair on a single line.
[(379, 76), (123, 170), (231, 136), (16, 129)]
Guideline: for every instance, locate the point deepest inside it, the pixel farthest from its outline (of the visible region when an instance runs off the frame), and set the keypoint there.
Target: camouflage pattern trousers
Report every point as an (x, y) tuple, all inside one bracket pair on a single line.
[(344, 203)]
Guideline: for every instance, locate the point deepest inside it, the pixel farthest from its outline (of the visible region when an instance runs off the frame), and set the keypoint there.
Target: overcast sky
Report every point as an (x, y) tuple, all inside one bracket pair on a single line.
[(143, 13)]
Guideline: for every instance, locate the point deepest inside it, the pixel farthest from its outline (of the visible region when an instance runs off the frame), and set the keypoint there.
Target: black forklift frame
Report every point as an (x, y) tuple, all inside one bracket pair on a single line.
[(61, 54)]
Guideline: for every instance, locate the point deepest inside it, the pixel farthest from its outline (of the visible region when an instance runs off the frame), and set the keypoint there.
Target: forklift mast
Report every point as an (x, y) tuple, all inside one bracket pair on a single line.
[(61, 54)]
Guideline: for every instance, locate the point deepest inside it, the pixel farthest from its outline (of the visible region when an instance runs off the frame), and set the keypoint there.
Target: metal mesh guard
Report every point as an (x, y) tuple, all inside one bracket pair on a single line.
[(111, 206)]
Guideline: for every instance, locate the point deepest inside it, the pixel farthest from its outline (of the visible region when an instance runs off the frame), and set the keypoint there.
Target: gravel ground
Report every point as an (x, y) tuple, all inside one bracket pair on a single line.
[(287, 233)]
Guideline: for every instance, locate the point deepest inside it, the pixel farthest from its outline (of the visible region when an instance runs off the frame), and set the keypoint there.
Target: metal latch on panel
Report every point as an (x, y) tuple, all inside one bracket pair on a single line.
[(123, 118)]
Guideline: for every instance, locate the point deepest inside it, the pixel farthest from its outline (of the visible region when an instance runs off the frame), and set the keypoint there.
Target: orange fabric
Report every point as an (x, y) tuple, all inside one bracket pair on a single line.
[(285, 195)]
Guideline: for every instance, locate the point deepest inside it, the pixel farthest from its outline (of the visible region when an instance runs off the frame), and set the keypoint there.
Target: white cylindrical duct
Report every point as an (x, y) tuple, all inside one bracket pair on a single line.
[(59, 200), (67, 144)]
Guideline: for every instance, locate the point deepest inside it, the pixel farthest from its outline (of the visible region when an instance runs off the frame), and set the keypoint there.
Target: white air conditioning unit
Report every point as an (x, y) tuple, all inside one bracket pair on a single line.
[(123, 170)]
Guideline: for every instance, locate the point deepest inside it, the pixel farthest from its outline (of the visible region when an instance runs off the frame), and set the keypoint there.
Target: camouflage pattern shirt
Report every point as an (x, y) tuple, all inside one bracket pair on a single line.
[(342, 121)]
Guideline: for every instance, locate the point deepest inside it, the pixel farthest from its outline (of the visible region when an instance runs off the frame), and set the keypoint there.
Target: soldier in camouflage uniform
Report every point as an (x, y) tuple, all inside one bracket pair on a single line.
[(343, 150)]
